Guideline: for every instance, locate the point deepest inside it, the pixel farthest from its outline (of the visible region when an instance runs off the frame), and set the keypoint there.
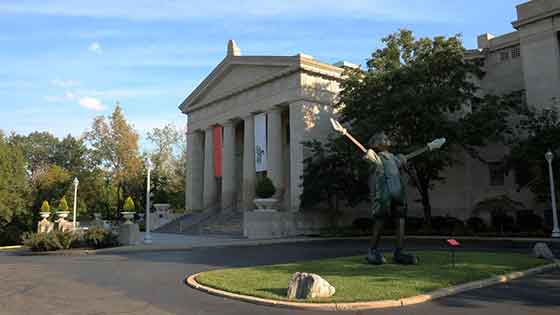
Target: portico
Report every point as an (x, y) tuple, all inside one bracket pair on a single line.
[(247, 119)]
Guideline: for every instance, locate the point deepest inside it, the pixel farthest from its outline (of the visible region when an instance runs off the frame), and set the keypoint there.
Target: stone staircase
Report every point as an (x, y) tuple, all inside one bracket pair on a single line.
[(207, 222)]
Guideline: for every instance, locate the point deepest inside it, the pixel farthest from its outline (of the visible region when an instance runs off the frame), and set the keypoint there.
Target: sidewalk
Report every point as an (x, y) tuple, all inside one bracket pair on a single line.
[(179, 242)]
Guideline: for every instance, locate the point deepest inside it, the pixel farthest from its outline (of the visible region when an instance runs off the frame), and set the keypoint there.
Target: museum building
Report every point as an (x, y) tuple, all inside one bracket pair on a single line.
[(250, 115)]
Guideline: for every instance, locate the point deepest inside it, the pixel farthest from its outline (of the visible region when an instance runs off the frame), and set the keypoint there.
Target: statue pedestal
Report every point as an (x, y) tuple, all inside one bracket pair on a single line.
[(129, 234), (45, 226)]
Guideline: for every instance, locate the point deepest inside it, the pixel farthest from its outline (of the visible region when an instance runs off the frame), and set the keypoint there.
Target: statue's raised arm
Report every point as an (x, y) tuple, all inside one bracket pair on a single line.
[(434, 145)]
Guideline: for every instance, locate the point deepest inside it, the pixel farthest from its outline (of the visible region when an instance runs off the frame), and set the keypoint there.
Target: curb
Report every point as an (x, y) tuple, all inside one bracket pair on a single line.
[(73, 252), (11, 247), (359, 306)]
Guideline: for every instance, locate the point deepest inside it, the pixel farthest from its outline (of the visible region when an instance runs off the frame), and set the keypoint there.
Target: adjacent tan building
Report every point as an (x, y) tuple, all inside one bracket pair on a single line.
[(296, 94)]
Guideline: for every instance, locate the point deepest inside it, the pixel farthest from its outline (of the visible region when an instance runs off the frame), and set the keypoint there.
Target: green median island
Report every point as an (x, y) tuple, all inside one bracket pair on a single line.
[(357, 281)]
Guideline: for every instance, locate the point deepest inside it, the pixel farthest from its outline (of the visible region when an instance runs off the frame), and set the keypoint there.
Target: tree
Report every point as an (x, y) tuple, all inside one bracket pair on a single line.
[(169, 157), (417, 90), (115, 144), (537, 132), (13, 183), (15, 216), (39, 149)]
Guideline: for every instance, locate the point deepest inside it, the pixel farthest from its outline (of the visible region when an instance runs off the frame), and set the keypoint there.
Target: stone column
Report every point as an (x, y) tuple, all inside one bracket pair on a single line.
[(249, 170), (297, 130), (195, 167), (210, 196), (274, 155), (228, 165)]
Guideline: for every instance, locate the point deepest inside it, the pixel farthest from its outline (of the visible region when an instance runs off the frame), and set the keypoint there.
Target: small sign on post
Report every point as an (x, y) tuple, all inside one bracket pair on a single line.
[(453, 243)]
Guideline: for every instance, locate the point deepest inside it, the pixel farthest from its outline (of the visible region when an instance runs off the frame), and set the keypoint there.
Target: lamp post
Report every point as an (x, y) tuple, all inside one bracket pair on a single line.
[(76, 183), (147, 235), (555, 231)]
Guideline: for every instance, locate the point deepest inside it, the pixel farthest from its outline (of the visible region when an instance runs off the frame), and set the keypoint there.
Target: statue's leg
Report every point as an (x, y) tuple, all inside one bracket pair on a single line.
[(399, 256), (374, 256)]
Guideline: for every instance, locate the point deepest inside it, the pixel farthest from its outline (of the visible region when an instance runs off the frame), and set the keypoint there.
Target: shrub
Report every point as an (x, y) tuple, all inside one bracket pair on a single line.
[(62, 204), (363, 224), (265, 188), (40, 242), (476, 224), (129, 205), (528, 221), (45, 207), (100, 238)]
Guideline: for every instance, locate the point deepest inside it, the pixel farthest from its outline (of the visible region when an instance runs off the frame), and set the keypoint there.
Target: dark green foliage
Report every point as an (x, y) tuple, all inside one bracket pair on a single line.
[(56, 240), (537, 132), (476, 224), (100, 238), (264, 188), (499, 207), (40, 242), (528, 221)]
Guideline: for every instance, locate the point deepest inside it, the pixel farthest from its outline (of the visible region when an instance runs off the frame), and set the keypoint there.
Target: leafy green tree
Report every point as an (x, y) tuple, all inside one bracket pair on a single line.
[(39, 149), (13, 184), (537, 132), (115, 144), (15, 214), (417, 90), (169, 158)]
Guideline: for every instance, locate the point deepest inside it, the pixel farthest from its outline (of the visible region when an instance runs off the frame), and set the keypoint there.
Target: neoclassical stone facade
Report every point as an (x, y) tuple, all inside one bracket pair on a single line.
[(295, 93)]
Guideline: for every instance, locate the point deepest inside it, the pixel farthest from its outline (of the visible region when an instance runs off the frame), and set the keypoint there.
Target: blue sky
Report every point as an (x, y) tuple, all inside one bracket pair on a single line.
[(64, 62)]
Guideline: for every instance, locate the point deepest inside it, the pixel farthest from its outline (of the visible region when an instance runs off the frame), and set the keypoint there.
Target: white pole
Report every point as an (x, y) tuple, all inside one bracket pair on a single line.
[(147, 235), (76, 182), (555, 231)]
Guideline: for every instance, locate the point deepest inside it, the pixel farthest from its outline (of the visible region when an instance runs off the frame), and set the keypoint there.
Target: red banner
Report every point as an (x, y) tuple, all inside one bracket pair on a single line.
[(218, 151)]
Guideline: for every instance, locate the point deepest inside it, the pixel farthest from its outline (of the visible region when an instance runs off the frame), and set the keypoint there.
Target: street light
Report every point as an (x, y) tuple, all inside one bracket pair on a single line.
[(76, 183), (555, 231), (147, 235)]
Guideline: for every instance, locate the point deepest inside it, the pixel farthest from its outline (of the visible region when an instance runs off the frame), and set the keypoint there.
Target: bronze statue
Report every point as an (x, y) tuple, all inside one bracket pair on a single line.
[(387, 191)]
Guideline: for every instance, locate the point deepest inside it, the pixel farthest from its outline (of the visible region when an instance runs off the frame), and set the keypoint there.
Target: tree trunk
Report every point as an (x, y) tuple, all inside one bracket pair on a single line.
[(427, 207)]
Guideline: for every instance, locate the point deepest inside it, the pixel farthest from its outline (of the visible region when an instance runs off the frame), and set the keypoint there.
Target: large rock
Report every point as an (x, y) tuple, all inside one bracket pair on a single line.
[(541, 250), (308, 285)]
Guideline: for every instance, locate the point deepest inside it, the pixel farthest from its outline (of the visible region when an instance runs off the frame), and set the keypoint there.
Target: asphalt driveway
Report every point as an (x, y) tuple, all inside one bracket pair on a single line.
[(152, 282)]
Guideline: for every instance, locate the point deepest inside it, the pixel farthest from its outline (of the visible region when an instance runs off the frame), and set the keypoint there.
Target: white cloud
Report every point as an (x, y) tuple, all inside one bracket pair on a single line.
[(64, 83), (91, 103), (95, 47)]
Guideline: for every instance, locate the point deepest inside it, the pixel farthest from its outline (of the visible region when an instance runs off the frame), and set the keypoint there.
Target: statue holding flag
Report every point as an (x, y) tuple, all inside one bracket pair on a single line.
[(387, 190)]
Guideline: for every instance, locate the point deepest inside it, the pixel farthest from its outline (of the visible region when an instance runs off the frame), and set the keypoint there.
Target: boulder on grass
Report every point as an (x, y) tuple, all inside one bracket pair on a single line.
[(308, 286), (541, 250)]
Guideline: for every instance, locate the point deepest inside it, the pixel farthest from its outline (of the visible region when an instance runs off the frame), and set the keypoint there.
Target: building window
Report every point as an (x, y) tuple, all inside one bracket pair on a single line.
[(497, 173), (516, 52), (504, 55)]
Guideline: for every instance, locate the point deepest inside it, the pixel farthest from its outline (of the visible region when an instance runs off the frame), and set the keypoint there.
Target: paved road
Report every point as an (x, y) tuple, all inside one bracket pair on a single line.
[(152, 283)]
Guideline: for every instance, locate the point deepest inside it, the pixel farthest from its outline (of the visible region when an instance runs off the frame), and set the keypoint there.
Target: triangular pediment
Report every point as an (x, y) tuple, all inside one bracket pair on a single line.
[(235, 73)]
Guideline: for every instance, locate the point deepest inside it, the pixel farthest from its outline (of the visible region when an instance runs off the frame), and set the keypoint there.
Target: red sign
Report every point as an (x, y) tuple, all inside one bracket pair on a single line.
[(453, 242), (217, 151)]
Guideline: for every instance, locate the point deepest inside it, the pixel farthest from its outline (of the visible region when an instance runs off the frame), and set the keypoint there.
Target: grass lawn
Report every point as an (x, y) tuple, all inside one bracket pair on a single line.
[(355, 280)]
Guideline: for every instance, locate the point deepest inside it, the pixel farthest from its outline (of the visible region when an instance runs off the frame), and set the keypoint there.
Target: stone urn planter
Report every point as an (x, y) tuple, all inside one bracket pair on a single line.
[(128, 216), (265, 204), (62, 214), (45, 215)]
